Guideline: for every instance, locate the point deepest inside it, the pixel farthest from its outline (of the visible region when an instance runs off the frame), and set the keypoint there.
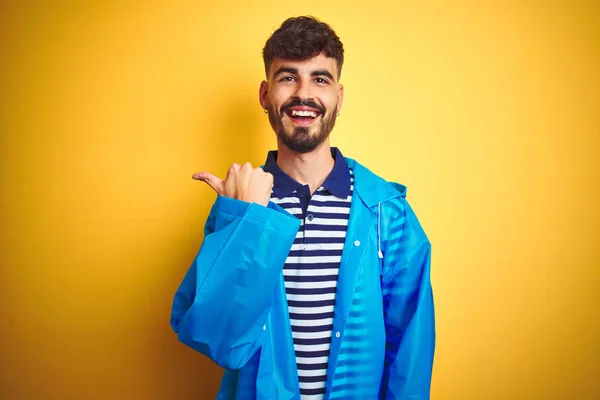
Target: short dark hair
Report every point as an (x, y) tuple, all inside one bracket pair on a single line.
[(301, 38)]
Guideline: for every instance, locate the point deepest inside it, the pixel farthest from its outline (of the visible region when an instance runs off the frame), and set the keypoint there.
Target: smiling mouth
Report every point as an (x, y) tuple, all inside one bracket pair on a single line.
[(302, 117)]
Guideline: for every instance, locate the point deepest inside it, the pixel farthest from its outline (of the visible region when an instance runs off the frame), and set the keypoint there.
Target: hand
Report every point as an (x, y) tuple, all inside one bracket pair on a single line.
[(243, 182)]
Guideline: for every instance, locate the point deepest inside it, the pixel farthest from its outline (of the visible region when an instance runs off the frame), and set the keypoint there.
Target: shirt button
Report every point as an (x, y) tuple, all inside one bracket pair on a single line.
[(337, 334), (302, 194), (357, 243), (264, 327), (310, 217)]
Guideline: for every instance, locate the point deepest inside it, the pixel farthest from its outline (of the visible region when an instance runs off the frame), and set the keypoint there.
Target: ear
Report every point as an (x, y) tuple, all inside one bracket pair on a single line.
[(263, 95), (340, 97)]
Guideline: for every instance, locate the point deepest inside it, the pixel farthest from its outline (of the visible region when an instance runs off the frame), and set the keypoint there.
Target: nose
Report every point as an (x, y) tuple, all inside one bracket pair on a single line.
[(303, 91)]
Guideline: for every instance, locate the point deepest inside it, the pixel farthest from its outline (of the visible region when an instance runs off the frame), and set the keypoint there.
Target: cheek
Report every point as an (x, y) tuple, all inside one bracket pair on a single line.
[(279, 96), (329, 100), (276, 103)]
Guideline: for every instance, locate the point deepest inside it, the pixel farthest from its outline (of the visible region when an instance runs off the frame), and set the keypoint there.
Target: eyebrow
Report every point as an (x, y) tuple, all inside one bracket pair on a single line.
[(322, 72), (289, 70), (292, 70)]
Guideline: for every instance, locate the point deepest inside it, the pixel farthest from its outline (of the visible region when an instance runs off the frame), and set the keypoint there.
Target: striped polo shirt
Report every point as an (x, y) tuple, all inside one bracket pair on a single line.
[(311, 268)]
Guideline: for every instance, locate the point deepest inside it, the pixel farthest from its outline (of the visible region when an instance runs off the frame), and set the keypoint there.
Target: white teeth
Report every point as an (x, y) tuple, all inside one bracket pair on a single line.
[(301, 113)]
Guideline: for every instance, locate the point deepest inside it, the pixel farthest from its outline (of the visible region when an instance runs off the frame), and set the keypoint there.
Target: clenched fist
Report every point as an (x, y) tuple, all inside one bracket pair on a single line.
[(243, 182)]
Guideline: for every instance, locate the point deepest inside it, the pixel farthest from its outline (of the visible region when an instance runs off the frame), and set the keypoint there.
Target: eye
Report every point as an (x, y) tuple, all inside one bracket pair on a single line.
[(321, 81), (287, 79)]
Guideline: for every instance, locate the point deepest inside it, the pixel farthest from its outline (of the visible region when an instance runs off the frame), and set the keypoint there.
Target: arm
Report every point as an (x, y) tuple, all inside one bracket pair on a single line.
[(408, 310), (222, 303)]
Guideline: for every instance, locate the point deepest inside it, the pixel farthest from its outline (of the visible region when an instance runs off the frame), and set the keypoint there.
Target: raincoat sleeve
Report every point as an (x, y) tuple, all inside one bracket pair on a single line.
[(223, 302), (408, 309)]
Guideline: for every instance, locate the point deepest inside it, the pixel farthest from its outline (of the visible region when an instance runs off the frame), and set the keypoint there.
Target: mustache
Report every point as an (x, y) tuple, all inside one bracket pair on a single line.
[(300, 103)]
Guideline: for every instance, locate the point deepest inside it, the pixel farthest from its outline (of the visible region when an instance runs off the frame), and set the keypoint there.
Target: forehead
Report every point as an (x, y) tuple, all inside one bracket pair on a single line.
[(320, 62)]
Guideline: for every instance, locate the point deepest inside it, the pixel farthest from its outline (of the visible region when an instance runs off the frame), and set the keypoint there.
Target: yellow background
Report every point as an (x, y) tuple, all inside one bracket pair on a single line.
[(488, 111)]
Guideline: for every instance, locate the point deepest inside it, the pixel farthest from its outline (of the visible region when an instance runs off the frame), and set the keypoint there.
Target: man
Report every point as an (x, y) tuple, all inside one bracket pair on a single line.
[(313, 278)]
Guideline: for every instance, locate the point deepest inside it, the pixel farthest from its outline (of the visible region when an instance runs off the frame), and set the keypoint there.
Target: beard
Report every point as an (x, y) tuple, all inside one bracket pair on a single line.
[(299, 139)]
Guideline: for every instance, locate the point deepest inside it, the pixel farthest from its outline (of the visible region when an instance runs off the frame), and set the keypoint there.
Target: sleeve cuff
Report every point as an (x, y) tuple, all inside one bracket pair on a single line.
[(272, 215)]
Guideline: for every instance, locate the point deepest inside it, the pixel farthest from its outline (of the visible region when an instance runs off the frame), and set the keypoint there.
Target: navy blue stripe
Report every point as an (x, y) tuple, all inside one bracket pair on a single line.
[(322, 315), (308, 354), (312, 342), (319, 278), (313, 366), (308, 392), (287, 204), (313, 265), (309, 266), (307, 291), (317, 378), (319, 227), (318, 252), (313, 328), (329, 215), (316, 303), (330, 203), (304, 267), (319, 240)]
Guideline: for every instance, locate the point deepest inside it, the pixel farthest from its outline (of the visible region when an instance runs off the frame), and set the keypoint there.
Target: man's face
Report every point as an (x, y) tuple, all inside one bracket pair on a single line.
[(302, 99)]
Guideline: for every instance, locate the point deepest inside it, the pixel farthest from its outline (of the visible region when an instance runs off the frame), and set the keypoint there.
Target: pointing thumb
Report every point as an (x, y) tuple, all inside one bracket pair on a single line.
[(214, 182)]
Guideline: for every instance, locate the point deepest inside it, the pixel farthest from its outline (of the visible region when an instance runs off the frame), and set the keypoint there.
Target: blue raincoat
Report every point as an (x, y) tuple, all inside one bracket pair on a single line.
[(232, 305)]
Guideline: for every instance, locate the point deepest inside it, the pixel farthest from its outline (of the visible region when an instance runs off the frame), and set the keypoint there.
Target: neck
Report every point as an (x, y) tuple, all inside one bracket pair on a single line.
[(309, 168)]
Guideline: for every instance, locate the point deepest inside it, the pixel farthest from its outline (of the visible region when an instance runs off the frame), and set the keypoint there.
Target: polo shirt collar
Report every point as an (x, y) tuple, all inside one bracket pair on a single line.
[(337, 183)]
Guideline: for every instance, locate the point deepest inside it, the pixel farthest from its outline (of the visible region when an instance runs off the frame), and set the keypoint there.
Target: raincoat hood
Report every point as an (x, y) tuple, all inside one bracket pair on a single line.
[(373, 189)]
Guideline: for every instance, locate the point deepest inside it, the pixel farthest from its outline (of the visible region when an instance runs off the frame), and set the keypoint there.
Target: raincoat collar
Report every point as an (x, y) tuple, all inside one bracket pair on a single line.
[(372, 189)]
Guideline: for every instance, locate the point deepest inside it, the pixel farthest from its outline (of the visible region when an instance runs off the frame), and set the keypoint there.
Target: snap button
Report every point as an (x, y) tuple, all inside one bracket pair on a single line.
[(310, 217), (357, 243), (337, 334), (264, 327)]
